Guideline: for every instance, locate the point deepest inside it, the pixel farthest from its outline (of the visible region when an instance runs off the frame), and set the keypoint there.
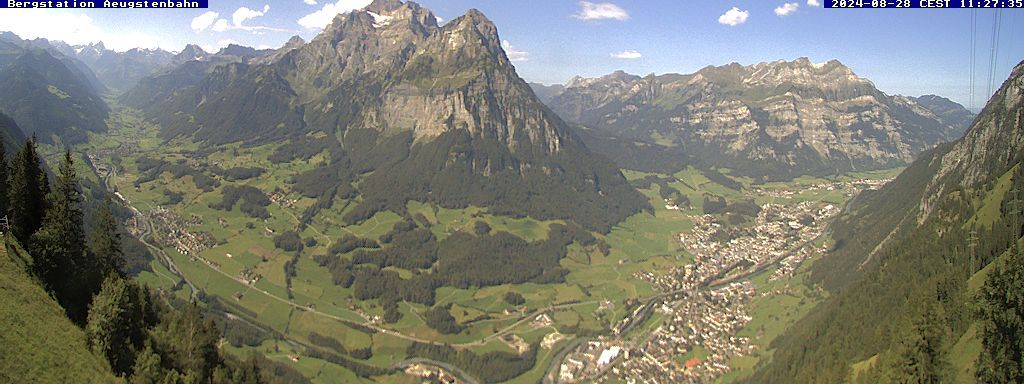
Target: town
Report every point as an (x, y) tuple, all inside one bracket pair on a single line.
[(704, 303)]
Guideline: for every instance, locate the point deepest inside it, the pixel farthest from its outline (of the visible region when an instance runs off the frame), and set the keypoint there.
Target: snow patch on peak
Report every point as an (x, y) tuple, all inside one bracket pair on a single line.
[(380, 21)]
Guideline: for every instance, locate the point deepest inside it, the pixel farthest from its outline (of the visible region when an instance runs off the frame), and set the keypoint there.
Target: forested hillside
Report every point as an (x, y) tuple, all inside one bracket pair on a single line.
[(70, 312), (906, 266), (47, 97)]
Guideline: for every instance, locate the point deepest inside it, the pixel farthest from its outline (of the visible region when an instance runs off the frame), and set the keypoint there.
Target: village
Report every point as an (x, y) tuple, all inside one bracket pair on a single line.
[(173, 231), (710, 320), (706, 321), (705, 305)]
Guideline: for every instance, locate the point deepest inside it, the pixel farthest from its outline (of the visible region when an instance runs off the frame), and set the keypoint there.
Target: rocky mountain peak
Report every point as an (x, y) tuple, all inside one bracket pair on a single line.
[(618, 78), (191, 52), (802, 71), (415, 103), (477, 27), (384, 6), (621, 75), (295, 41)]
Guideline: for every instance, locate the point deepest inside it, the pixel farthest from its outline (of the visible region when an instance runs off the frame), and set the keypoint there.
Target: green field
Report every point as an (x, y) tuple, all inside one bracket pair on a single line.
[(643, 242)]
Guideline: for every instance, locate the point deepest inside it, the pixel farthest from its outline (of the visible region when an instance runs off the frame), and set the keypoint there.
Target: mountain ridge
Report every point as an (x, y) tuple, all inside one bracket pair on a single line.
[(916, 242), (768, 120)]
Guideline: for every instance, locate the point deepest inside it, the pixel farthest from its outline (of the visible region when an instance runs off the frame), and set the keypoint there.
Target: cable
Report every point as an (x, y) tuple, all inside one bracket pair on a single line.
[(994, 52), (974, 55)]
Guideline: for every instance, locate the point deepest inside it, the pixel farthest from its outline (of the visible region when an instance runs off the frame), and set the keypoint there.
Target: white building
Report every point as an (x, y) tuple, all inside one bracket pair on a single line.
[(608, 355)]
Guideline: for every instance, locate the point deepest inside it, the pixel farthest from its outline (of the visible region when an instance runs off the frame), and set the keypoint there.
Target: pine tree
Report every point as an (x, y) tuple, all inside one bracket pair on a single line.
[(920, 352), (1002, 322), (147, 368), (189, 341), (58, 247), (3, 180), (114, 321), (105, 244), (26, 201)]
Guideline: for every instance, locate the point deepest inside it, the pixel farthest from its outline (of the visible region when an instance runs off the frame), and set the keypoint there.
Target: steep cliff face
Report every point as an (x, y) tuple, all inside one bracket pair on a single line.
[(410, 74), (992, 145), (793, 117), (429, 112)]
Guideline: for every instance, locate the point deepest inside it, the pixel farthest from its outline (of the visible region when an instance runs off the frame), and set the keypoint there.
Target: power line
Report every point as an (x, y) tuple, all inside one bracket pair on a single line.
[(994, 52), (974, 55)]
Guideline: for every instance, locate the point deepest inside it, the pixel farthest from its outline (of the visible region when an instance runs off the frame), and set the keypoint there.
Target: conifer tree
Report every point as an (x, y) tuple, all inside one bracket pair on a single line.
[(58, 247), (3, 179), (147, 368), (1001, 303), (189, 341), (114, 321), (26, 201), (920, 352), (105, 244)]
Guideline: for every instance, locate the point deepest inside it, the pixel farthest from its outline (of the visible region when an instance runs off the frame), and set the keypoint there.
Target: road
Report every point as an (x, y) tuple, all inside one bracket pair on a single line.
[(168, 262), (149, 232), (459, 374)]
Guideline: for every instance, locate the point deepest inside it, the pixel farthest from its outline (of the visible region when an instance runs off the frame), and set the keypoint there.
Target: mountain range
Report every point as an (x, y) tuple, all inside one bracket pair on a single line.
[(423, 111), (48, 94), (387, 108), (769, 120), (909, 260)]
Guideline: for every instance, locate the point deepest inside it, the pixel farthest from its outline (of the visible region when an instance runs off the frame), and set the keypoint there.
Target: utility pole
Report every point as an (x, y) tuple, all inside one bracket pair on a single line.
[(1013, 209), (972, 244)]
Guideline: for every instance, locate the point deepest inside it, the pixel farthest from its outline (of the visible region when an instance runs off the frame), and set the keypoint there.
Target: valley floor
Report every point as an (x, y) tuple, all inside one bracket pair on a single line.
[(695, 297)]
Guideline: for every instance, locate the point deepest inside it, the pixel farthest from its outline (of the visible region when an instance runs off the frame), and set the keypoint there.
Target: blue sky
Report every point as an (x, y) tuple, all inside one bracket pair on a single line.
[(909, 52)]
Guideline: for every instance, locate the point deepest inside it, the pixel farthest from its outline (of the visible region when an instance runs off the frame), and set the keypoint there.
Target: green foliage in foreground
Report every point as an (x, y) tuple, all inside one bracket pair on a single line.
[(1002, 322)]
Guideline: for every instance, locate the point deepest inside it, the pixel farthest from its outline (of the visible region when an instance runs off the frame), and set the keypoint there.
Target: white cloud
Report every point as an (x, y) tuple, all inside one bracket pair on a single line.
[(734, 17), (513, 53), (628, 54), (601, 11), (309, 2), (814, 3), (201, 22), (439, 19), (244, 13), (238, 19), (221, 25), (787, 9), (323, 17), (74, 29)]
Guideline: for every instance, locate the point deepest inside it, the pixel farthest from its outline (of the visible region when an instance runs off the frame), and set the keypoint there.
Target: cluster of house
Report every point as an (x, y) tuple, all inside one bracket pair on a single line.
[(174, 231), (697, 341)]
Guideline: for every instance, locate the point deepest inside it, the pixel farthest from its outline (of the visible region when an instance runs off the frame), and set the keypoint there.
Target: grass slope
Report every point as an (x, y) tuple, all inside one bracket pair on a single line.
[(40, 345)]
